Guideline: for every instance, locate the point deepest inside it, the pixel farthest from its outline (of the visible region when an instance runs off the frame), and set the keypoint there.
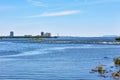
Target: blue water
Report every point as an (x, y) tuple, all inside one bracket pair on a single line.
[(35, 61)]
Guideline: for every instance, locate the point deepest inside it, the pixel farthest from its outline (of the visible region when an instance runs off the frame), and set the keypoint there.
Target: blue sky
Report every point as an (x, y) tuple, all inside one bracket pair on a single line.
[(63, 17)]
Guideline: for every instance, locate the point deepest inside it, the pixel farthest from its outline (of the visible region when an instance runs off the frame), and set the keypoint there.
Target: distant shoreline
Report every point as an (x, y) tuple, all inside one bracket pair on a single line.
[(57, 40), (27, 37)]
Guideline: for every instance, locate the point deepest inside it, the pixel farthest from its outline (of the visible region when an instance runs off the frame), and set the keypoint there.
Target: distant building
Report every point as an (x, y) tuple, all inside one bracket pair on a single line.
[(48, 34), (11, 34), (42, 33)]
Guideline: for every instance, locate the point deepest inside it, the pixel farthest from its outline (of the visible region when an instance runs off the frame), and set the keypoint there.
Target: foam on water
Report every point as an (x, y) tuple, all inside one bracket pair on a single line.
[(6, 43), (29, 53), (58, 48), (40, 51), (70, 66)]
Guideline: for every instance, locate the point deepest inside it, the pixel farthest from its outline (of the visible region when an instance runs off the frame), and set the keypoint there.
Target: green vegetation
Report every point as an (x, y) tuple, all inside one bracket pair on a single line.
[(112, 71), (35, 38), (117, 38), (117, 61), (100, 70)]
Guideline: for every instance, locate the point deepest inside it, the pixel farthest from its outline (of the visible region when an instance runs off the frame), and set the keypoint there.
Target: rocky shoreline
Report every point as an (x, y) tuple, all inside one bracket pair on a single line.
[(112, 71)]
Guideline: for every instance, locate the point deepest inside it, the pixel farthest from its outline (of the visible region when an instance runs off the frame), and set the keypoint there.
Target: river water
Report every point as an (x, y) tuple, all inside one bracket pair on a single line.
[(36, 61)]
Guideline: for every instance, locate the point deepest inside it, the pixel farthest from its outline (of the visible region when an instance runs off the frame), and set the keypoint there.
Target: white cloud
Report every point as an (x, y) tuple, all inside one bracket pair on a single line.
[(36, 2), (62, 13)]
